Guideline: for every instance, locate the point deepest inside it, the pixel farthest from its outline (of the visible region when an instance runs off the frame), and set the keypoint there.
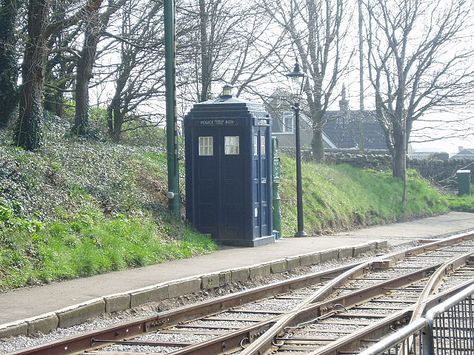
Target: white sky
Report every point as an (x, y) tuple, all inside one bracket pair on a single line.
[(456, 125)]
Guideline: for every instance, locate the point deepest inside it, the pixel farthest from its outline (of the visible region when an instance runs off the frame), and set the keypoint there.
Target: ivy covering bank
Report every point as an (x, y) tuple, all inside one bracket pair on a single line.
[(78, 208)]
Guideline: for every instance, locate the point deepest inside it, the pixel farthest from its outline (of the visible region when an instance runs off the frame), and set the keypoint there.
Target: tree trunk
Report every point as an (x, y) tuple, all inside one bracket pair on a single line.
[(361, 57), (28, 133), (84, 75), (399, 154), (115, 119), (8, 63), (117, 133), (317, 145), (54, 99)]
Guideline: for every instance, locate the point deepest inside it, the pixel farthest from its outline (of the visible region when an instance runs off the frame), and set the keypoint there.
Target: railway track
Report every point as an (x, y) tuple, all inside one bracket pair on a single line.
[(338, 311)]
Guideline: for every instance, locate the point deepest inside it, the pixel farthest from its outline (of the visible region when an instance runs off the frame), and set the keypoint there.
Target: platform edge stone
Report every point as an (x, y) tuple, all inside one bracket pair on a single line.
[(149, 294), (293, 263), (240, 275), (329, 255), (278, 266), (361, 249), (260, 271), (310, 259), (184, 287), (210, 281), (225, 277), (44, 324), (117, 302), (80, 313), (13, 329), (345, 253), (381, 244)]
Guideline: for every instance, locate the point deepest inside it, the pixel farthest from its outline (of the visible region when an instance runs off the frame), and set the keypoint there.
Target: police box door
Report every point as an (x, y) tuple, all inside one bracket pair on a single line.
[(220, 182), (261, 182)]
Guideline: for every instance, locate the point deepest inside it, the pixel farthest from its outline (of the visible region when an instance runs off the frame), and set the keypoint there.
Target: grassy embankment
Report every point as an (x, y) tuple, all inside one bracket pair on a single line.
[(341, 196), (79, 208), (462, 203)]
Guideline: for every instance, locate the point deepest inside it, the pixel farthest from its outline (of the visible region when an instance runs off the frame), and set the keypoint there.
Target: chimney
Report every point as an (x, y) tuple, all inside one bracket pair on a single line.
[(343, 103)]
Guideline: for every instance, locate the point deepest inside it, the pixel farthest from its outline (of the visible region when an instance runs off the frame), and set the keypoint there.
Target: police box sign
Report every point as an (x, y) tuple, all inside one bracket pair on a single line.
[(218, 122)]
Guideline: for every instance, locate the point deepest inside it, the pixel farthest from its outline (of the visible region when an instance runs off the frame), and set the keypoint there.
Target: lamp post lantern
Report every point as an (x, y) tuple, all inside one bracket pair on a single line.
[(297, 80)]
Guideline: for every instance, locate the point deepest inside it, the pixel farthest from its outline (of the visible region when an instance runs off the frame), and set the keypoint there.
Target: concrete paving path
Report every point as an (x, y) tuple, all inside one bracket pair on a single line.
[(30, 302)]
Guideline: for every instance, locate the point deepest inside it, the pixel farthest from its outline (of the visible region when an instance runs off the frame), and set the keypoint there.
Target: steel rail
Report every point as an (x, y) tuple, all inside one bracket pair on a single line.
[(433, 283), (420, 323), (137, 327), (264, 343), (406, 316), (391, 258), (352, 340), (246, 336)]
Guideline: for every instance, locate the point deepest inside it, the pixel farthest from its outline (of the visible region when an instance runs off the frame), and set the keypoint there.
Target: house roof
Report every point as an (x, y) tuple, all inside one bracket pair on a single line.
[(344, 128), (464, 154), (354, 129)]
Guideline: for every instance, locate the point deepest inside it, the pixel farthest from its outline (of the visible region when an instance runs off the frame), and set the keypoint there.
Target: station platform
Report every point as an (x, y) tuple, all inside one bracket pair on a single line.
[(20, 304)]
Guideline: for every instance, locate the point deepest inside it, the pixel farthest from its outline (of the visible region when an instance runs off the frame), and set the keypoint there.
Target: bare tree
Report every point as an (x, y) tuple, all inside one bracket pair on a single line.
[(140, 74), (62, 60), (222, 42), (418, 60), (95, 27), (317, 29), (40, 30), (360, 24)]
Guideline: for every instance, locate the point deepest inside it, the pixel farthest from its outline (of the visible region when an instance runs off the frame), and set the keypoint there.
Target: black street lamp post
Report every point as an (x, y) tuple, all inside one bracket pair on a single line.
[(296, 79)]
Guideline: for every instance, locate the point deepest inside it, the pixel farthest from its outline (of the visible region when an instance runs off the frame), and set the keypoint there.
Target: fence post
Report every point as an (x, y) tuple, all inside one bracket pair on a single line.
[(427, 340)]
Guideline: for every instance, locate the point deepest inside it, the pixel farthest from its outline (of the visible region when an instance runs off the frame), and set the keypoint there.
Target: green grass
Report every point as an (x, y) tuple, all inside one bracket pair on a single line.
[(340, 197), (461, 203), (79, 208), (88, 244)]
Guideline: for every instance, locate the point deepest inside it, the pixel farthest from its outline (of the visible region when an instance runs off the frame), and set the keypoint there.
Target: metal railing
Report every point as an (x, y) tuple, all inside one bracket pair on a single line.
[(446, 329)]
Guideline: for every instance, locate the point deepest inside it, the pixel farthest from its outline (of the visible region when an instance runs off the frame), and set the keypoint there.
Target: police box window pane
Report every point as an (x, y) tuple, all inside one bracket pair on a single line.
[(231, 145), (206, 146), (255, 145), (262, 145)]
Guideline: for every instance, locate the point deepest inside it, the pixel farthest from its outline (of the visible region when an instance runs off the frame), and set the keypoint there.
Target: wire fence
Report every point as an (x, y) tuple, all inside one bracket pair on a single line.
[(453, 328), (446, 329)]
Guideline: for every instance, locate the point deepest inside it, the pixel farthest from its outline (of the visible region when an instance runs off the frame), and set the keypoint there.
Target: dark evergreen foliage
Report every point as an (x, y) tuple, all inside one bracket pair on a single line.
[(8, 62)]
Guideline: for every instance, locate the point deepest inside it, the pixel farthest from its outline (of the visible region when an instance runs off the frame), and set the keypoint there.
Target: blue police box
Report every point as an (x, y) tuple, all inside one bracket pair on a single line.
[(228, 171)]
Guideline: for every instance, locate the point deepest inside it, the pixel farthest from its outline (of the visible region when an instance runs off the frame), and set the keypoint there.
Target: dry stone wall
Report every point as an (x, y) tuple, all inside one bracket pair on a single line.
[(441, 172)]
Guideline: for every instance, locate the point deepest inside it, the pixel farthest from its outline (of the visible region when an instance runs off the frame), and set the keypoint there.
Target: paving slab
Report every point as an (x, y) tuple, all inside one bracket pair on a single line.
[(31, 302)]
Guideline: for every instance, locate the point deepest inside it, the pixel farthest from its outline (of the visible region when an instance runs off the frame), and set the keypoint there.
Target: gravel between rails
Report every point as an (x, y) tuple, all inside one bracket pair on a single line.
[(335, 327), (14, 344), (106, 320), (140, 349)]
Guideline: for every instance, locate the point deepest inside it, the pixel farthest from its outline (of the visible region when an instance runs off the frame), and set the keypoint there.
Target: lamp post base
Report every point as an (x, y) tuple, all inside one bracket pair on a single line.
[(300, 234)]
